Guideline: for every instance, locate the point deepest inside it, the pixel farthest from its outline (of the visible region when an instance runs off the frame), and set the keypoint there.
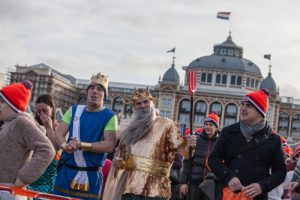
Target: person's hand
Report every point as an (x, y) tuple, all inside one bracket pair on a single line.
[(252, 190), (191, 140), (19, 183), (235, 184), (46, 120), (118, 162), (184, 189), (71, 146), (293, 186)]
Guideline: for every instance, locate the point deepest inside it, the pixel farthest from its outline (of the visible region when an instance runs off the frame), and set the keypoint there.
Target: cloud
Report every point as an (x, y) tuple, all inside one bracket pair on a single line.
[(128, 39)]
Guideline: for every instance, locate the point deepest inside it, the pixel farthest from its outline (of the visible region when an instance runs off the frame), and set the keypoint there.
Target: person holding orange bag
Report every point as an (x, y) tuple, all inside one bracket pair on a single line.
[(248, 156)]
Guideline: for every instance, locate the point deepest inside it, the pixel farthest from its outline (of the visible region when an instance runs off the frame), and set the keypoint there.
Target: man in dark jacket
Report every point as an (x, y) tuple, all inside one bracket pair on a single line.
[(204, 143), (248, 157)]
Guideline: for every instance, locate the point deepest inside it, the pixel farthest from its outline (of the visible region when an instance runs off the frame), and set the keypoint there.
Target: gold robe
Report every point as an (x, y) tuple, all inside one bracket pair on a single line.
[(159, 145)]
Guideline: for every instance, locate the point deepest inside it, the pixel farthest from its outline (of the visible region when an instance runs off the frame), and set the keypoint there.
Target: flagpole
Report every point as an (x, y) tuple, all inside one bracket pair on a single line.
[(230, 25)]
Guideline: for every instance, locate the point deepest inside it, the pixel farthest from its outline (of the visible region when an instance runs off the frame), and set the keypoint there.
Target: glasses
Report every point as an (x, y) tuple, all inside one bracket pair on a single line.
[(141, 102)]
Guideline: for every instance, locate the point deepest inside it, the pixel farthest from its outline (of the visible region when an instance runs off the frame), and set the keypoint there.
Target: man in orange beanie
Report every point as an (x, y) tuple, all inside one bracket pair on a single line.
[(25, 150), (203, 144), (248, 156)]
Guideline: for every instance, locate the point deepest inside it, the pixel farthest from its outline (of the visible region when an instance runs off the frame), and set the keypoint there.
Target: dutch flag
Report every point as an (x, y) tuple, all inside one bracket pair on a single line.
[(223, 15)]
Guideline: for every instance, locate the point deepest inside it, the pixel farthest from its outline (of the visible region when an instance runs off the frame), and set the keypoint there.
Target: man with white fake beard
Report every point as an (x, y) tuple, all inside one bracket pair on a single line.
[(145, 154)]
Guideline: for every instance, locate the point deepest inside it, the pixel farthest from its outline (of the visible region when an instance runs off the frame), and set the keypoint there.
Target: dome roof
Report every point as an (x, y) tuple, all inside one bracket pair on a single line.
[(227, 56), (171, 75), (268, 83), (230, 63)]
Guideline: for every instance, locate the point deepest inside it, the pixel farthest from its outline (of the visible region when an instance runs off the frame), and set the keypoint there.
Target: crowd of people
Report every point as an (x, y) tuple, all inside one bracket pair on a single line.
[(148, 156)]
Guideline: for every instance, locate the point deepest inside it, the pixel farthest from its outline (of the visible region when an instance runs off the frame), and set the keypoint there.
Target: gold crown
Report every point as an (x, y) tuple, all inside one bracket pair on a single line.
[(100, 79), (140, 93)]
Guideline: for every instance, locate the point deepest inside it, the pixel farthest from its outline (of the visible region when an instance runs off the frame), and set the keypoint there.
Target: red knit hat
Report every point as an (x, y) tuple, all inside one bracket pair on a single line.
[(17, 95), (259, 99), (297, 151), (214, 118)]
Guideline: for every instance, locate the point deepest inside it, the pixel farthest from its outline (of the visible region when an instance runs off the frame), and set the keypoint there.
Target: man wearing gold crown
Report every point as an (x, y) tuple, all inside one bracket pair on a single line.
[(145, 154), (92, 133)]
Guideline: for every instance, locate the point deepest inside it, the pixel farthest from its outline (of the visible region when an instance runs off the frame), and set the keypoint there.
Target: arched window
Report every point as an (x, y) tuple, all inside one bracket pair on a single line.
[(230, 116), (107, 102), (218, 78), (216, 107), (224, 79), (252, 83), (283, 125), (256, 83), (127, 110), (118, 105), (248, 82), (184, 111), (200, 112), (239, 80), (209, 77), (203, 77), (296, 125), (232, 81)]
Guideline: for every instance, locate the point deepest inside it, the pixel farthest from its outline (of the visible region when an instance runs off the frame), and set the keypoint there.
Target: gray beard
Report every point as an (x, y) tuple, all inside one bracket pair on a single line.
[(140, 125)]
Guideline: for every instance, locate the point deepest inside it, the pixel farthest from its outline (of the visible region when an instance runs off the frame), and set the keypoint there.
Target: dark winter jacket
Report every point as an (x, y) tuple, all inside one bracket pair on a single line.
[(251, 162), (204, 146)]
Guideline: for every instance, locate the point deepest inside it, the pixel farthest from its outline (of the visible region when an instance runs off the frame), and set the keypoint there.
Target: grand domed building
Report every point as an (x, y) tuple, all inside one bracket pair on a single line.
[(224, 77)]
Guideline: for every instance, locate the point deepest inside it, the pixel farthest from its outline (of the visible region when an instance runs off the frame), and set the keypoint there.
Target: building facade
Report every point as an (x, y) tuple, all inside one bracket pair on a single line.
[(223, 78)]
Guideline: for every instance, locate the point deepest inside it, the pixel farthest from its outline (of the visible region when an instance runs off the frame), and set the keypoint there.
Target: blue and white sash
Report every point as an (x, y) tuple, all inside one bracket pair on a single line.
[(81, 180)]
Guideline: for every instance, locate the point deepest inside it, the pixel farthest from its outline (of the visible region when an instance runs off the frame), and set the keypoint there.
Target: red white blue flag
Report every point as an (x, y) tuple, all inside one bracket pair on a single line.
[(223, 15)]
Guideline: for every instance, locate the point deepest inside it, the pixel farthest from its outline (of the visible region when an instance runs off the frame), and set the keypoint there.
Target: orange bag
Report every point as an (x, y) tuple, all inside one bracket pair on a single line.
[(228, 194)]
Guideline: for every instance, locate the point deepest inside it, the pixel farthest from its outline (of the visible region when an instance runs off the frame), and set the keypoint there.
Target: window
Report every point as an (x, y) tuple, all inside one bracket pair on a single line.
[(218, 78), (296, 125), (184, 111), (203, 77), (127, 110), (166, 102), (239, 80), (209, 78), (117, 105), (256, 83), (107, 102), (166, 114), (232, 81), (224, 79), (200, 112), (223, 52), (206, 77), (230, 52), (230, 116), (216, 107), (252, 83), (283, 125), (248, 82)]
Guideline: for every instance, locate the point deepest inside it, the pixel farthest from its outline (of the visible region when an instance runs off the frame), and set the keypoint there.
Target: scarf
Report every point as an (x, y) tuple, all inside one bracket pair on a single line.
[(249, 129)]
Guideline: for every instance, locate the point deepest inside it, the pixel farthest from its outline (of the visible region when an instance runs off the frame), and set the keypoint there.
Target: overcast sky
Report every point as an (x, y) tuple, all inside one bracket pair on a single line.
[(128, 39)]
